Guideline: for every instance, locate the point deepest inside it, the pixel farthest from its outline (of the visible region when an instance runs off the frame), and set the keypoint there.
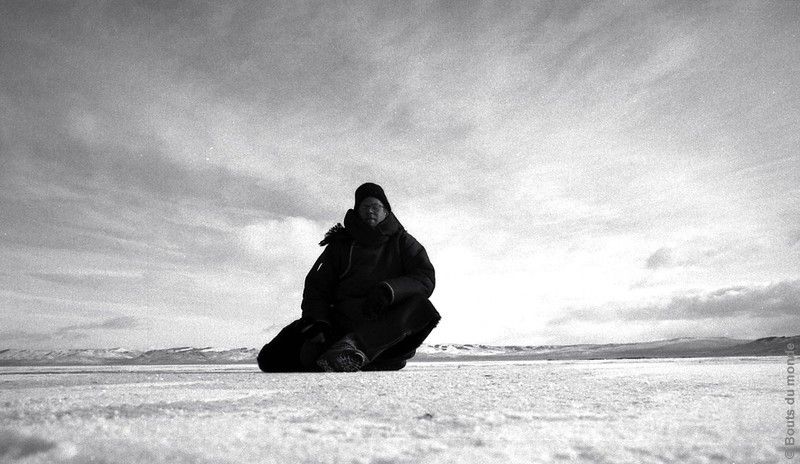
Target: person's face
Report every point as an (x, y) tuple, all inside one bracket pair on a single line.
[(372, 211)]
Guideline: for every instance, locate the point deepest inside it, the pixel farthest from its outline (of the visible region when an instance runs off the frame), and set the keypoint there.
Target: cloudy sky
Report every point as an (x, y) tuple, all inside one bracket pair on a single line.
[(603, 172)]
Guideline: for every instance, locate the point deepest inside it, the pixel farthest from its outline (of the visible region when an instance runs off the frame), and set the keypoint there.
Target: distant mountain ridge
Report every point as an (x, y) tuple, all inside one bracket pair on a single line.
[(673, 348), (122, 356)]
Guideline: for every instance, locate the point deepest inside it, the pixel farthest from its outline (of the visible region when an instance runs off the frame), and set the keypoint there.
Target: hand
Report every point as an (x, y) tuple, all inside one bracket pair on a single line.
[(377, 299)]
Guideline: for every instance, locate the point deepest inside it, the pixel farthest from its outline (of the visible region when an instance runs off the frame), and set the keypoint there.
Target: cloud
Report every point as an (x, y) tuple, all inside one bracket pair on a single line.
[(794, 238), (118, 174), (122, 322), (183, 159), (22, 337), (17, 446), (778, 300), (290, 238), (661, 258), (94, 281), (72, 333), (744, 312)]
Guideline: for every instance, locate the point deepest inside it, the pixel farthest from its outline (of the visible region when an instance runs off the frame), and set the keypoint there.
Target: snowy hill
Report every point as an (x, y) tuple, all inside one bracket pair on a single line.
[(81, 357), (678, 347), (78, 357), (673, 348)]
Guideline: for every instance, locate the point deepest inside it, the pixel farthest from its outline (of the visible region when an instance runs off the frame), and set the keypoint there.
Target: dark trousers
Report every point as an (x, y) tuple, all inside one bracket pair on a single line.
[(388, 340)]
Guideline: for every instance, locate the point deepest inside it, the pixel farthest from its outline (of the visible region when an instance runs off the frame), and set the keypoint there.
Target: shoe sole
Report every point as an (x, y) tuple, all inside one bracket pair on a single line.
[(342, 362)]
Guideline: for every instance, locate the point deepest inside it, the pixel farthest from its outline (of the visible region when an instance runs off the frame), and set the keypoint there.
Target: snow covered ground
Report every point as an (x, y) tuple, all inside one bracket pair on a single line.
[(707, 410)]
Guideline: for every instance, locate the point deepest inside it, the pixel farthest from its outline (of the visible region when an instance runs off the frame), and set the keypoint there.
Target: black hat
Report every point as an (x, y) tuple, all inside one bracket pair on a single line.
[(371, 190)]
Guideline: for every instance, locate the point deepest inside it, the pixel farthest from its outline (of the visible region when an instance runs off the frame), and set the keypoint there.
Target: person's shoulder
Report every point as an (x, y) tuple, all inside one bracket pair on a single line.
[(336, 235), (409, 242)]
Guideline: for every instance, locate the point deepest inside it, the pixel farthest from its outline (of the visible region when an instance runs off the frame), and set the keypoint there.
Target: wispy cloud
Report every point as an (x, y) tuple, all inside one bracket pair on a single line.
[(122, 322), (661, 258), (76, 332), (778, 300), (738, 312), (183, 159)]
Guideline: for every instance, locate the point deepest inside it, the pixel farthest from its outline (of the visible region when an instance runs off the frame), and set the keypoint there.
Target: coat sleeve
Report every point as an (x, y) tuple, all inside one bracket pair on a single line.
[(320, 286), (419, 277)]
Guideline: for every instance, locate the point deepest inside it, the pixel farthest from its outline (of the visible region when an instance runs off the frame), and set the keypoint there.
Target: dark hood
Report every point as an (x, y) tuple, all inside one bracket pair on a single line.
[(361, 232), (366, 235)]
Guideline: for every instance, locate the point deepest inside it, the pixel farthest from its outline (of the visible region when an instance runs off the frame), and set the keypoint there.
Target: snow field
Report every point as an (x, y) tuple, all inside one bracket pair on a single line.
[(720, 410)]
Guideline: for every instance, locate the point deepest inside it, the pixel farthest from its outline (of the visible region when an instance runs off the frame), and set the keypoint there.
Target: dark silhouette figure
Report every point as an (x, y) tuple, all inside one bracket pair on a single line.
[(365, 303)]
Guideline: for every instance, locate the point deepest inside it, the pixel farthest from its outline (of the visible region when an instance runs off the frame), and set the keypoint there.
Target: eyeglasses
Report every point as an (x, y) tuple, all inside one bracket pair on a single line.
[(374, 208)]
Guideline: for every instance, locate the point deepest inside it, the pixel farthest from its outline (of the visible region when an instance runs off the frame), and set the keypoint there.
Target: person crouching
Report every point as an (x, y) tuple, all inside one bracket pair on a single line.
[(366, 299)]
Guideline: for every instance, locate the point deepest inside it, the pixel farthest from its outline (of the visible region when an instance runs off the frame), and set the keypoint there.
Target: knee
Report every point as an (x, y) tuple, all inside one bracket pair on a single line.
[(422, 306), (265, 361)]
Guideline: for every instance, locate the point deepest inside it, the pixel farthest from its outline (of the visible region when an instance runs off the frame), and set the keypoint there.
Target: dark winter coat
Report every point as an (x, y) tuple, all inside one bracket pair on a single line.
[(358, 258)]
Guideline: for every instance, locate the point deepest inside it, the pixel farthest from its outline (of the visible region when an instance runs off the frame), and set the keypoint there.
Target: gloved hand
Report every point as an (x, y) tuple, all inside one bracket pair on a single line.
[(315, 331), (377, 300)]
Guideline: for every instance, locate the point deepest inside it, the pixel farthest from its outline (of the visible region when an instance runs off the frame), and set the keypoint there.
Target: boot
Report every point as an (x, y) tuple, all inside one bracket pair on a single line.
[(343, 356)]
